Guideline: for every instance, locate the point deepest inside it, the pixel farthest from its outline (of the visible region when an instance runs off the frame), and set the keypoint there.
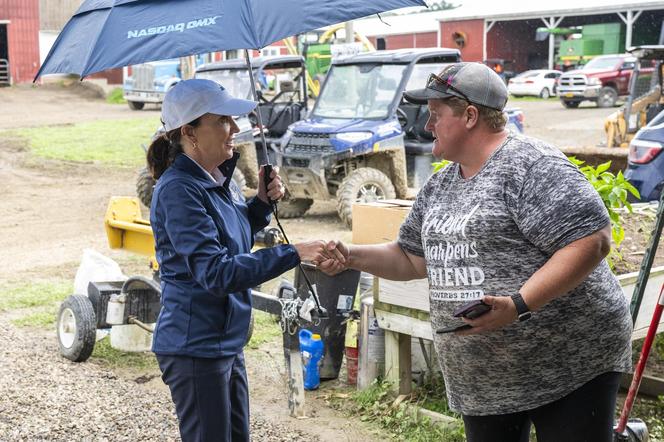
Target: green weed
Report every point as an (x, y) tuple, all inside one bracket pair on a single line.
[(45, 319), (115, 97), (113, 358), (35, 294)]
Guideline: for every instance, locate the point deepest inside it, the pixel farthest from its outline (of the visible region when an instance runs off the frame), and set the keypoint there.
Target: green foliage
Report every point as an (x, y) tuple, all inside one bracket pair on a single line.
[(112, 142), (35, 294), (113, 358), (115, 97), (266, 329), (46, 319), (439, 165), (651, 411), (441, 5), (376, 404), (613, 190)]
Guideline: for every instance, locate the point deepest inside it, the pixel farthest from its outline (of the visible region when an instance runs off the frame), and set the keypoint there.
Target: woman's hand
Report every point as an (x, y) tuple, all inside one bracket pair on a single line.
[(319, 252), (275, 189), (502, 313)]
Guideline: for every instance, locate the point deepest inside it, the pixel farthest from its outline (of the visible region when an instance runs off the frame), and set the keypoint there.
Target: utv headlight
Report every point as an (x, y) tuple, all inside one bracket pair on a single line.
[(353, 137)]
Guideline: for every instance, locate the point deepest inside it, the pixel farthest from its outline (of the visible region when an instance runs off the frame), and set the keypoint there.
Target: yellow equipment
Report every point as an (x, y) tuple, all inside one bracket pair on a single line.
[(622, 125), (127, 229)]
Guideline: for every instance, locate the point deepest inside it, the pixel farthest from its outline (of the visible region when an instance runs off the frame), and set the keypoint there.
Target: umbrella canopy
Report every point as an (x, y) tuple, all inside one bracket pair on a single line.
[(105, 34)]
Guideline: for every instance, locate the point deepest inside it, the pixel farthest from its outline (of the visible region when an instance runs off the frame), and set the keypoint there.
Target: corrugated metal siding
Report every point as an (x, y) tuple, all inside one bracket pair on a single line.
[(23, 37), (54, 14)]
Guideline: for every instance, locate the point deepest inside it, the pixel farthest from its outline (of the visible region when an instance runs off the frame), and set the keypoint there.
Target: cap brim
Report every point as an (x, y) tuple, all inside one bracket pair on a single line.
[(421, 96), (234, 107)]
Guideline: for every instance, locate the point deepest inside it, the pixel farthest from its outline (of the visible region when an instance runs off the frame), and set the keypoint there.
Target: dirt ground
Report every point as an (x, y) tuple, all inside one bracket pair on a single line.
[(53, 210)]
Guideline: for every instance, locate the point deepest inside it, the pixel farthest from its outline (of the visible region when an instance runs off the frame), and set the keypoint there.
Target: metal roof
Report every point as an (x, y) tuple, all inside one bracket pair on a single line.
[(397, 56), (422, 22)]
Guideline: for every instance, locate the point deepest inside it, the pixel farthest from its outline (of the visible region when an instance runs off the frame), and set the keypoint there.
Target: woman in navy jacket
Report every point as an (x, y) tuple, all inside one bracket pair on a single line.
[(204, 233)]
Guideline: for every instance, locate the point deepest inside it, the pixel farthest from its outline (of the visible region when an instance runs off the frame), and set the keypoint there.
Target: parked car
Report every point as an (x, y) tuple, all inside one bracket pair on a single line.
[(538, 82), (603, 80), (645, 164)]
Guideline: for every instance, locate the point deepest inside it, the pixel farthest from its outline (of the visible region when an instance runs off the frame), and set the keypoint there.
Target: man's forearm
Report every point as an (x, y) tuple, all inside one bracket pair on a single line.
[(387, 261), (566, 269)]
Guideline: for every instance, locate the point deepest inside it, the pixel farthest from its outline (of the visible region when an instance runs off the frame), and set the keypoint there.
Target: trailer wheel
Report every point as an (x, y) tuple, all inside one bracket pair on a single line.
[(363, 185), (135, 105), (607, 97), (145, 186), (77, 327)]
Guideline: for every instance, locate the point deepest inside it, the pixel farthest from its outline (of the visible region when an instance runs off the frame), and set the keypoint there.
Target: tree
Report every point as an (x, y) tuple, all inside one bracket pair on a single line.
[(441, 5)]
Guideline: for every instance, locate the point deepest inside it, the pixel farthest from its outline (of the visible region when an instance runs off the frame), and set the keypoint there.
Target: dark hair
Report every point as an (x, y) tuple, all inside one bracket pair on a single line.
[(164, 149)]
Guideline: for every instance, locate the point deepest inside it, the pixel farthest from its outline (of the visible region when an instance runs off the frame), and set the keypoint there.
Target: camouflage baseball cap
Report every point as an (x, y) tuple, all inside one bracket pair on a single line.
[(474, 82)]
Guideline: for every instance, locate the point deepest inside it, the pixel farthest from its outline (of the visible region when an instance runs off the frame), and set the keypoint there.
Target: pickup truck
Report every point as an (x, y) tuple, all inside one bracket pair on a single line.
[(603, 80)]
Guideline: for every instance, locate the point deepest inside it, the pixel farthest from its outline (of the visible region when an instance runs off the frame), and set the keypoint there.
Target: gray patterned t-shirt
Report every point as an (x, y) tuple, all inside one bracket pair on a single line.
[(487, 235)]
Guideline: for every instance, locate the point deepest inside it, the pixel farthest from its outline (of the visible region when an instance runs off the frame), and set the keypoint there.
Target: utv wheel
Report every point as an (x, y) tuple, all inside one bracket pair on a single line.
[(77, 328), (570, 104), (364, 185), (145, 186), (544, 93), (293, 207), (135, 105), (607, 97)]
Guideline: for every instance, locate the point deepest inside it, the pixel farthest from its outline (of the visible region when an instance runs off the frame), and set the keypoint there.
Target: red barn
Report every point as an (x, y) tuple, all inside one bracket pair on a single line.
[(19, 39)]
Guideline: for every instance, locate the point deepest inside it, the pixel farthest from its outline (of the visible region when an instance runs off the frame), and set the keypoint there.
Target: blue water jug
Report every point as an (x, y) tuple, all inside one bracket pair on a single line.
[(311, 347)]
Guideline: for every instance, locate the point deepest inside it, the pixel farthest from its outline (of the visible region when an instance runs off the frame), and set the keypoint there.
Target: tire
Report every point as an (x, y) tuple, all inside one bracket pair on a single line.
[(240, 180), (608, 97), (77, 328), (135, 105), (250, 332), (570, 104), (293, 207), (145, 186), (362, 185), (544, 93)]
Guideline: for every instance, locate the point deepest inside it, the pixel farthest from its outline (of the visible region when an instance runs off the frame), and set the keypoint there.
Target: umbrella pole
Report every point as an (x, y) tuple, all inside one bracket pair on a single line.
[(267, 171), (258, 114)]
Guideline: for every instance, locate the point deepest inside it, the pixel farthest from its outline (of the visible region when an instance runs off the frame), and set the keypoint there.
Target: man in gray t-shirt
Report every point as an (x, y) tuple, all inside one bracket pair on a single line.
[(510, 221)]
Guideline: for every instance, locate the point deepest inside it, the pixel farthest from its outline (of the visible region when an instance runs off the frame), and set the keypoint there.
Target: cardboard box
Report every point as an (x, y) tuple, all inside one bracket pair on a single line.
[(377, 223)]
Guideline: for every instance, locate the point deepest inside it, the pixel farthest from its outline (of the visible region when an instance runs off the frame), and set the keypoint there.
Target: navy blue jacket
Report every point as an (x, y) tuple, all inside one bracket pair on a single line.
[(203, 238)]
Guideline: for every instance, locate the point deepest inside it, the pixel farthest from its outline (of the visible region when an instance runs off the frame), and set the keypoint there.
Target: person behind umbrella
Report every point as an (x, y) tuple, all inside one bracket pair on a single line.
[(203, 232)]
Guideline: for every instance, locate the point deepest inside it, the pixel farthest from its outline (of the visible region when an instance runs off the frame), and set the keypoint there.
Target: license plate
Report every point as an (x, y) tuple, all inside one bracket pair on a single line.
[(569, 94)]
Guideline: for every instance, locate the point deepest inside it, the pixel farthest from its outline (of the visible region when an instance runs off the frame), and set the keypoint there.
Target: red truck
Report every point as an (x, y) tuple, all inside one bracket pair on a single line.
[(603, 80)]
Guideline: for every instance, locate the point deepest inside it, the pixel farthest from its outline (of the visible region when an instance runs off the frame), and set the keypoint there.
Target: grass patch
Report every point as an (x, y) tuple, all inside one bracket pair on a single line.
[(110, 142), (265, 330), (35, 294), (115, 97), (376, 404), (45, 319), (113, 358), (651, 411)]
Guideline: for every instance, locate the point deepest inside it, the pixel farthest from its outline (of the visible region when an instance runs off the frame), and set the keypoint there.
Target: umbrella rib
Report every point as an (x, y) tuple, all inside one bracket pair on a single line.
[(252, 26)]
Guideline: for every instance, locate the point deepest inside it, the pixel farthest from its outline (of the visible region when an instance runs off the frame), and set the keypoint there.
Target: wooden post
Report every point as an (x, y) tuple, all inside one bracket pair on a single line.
[(398, 361), (294, 373)]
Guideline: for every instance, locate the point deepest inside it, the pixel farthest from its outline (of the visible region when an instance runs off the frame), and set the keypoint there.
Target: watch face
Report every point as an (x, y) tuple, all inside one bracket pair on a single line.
[(525, 316)]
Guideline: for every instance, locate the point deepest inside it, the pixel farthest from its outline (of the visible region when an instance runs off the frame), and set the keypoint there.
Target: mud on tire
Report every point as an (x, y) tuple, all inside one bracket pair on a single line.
[(145, 186), (293, 207), (362, 185)]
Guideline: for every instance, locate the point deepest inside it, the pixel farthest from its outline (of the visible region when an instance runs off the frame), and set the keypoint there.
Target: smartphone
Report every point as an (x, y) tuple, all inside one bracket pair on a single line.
[(472, 310), (453, 328)]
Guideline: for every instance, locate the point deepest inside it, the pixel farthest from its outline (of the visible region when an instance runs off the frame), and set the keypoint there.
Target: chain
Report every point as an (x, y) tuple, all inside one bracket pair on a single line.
[(290, 315)]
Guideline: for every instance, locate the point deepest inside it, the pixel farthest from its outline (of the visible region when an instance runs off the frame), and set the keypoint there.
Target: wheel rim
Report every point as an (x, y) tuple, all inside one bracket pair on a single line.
[(545, 93), (369, 193), (67, 328), (607, 97)]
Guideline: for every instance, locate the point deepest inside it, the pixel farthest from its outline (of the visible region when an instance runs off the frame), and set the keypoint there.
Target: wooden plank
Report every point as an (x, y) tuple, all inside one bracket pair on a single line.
[(650, 297), (412, 294), (395, 322), (650, 385), (398, 361), (294, 373)]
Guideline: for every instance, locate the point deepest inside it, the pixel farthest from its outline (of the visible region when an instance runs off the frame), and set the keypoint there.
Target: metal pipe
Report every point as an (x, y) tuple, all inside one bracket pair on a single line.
[(143, 325), (258, 113)]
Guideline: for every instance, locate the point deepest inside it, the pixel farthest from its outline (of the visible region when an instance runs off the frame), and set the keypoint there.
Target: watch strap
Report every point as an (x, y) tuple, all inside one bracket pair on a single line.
[(522, 309)]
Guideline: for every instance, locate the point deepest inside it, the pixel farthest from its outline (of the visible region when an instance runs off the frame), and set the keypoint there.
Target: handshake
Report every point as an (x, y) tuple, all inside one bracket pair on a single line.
[(330, 257)]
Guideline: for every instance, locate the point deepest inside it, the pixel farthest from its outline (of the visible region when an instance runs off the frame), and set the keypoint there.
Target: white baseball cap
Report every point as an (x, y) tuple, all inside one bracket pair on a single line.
[(190, 99)]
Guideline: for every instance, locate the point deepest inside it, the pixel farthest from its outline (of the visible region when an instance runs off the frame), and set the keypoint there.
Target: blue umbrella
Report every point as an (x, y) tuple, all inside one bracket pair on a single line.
[(106, 34)]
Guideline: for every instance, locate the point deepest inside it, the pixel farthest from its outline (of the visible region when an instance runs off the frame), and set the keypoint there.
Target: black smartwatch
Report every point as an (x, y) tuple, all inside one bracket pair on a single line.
[(522, 311)]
